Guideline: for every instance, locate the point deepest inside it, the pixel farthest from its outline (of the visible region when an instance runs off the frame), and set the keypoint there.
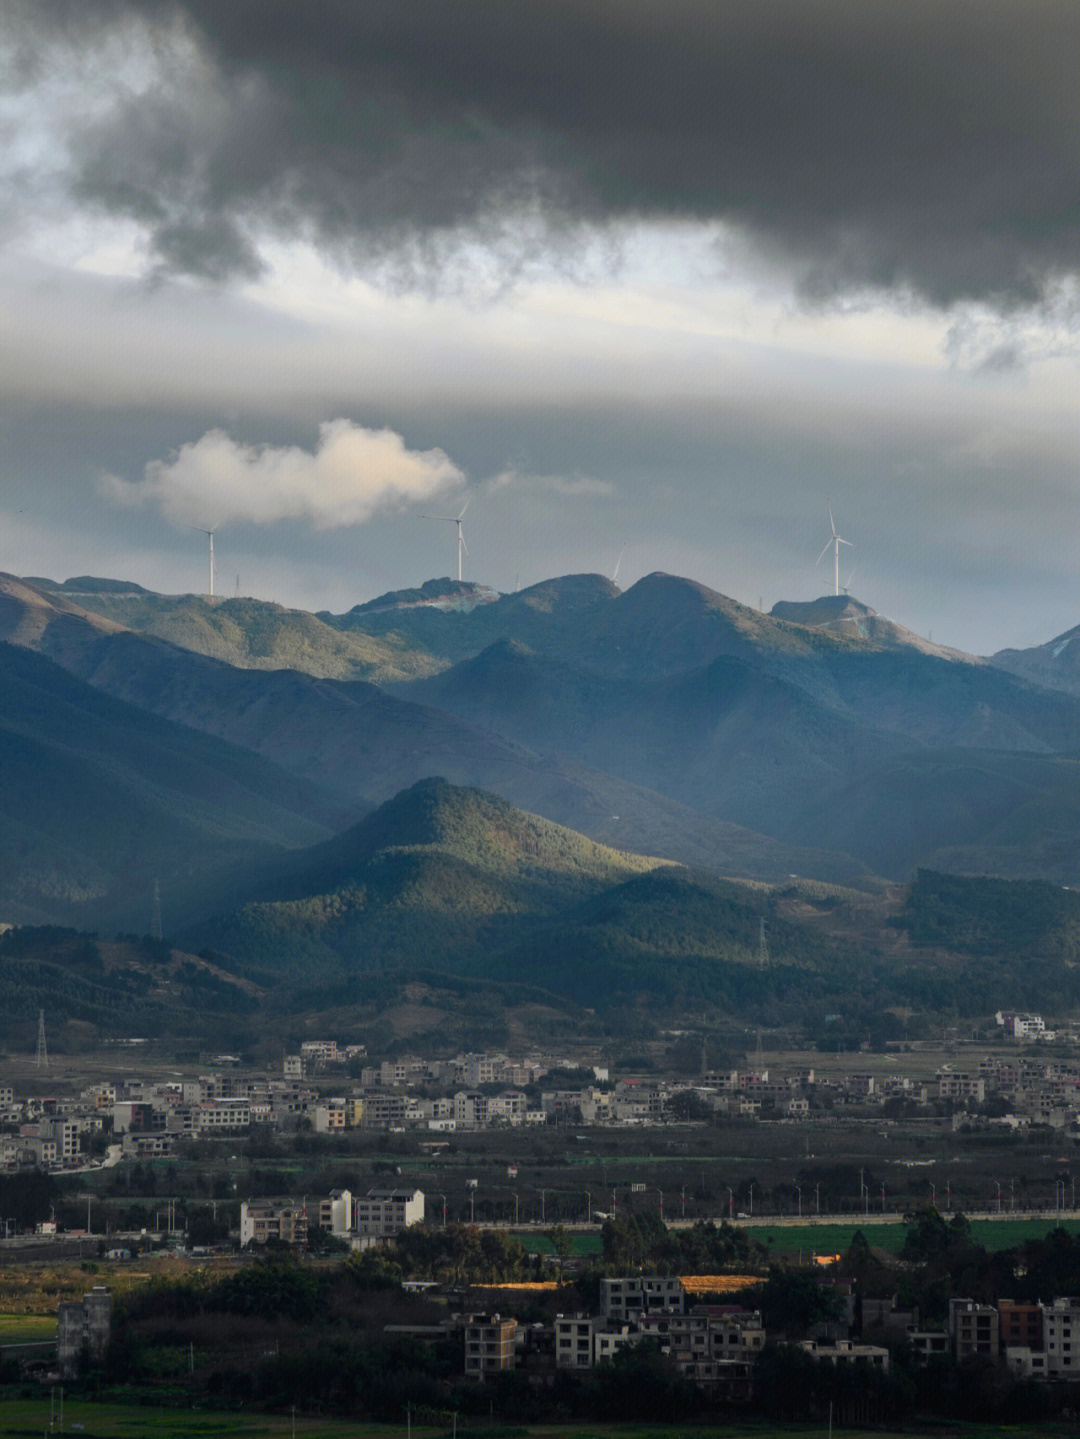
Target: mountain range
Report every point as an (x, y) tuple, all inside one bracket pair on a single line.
[(821, 739)]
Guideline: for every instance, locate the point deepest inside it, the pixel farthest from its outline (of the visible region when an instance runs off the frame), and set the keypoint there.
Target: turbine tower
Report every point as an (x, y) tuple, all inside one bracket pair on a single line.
[(833, 543), (42, 1047), (210, 536), (156, 931), (462, 547)]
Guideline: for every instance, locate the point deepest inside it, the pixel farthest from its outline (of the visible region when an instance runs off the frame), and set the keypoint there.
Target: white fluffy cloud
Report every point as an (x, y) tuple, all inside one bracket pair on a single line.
[(352, 474)]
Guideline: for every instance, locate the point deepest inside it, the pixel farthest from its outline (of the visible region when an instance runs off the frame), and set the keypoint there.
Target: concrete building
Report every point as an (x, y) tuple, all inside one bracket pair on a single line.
[(83, 1327), (336, 1212), (1061, 1338), (973, 1328), (628, 1298), (265, 1219), (846, 1351), (489, 1345), (382, 1213), (574, 1341)]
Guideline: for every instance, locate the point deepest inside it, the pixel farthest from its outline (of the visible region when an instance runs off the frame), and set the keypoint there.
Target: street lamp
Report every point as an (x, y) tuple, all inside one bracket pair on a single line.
[(933, 1195), (817, 1197), (515, 1209), (730, 1203), (798, 1193), (443, 1198), (998, 1183), (682, 1198), (588, 1207), (751, 1209), (542, 1215)]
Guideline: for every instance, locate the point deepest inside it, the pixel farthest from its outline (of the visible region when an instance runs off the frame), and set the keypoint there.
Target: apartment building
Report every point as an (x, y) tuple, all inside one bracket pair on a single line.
[(489, 1345), (973, 1328), (1061, 1337), (574, 1340)]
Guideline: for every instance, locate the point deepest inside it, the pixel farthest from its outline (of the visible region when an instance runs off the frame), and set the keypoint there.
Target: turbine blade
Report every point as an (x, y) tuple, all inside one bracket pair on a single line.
[(464, 507), (849, 544), (464, 546), (825, 551)]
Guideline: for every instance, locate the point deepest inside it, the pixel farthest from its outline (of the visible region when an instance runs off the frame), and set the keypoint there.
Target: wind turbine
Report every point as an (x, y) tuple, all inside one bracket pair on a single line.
[(834, 542), (210, 536), (462, 547), (847, 588), (618, 562)]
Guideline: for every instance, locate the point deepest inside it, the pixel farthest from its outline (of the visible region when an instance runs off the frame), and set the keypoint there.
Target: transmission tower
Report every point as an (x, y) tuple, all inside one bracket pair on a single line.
[(42, 1048), (155, 914), (763, 947)]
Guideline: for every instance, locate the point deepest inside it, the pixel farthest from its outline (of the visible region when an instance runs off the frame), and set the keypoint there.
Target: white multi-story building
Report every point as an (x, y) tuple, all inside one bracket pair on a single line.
[(1061, 1337), (382, 1213), (336, 1212)]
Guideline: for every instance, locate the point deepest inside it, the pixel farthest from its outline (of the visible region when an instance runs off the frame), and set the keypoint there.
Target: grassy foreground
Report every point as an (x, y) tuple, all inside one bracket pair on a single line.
[(30, 1418)]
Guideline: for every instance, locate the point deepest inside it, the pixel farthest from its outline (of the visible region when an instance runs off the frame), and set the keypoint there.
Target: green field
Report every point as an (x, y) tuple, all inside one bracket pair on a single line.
[(537, 1242), (810, 1239), (26, 1328), (992, 1234)]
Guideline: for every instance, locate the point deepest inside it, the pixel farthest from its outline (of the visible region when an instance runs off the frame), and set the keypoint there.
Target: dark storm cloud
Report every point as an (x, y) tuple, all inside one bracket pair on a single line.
[(927, 144)]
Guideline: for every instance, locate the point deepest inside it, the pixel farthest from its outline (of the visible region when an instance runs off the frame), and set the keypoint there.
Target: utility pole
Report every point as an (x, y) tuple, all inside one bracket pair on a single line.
[(42, 1048)]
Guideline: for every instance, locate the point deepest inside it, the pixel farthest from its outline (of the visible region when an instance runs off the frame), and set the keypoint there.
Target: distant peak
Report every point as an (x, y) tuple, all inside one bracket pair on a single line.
[(94, 585), (827, 609), (571, 590), (444, 594)]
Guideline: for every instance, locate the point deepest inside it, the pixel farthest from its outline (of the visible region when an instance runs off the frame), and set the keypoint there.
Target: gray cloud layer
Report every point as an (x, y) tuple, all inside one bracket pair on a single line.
[(930, 144)]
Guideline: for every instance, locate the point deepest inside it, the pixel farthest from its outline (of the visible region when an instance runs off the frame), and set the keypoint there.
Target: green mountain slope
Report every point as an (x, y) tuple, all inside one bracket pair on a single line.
[(437, 875), (116, 989), (253, 634), (98, 798)]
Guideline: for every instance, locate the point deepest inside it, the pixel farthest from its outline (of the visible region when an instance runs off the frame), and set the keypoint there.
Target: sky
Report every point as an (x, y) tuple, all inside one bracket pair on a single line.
[(647, 286)]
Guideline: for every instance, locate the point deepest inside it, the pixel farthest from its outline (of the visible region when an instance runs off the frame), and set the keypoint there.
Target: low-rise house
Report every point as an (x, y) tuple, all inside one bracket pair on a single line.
[(846, 1351), (630, 1297), (264, 1219)]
